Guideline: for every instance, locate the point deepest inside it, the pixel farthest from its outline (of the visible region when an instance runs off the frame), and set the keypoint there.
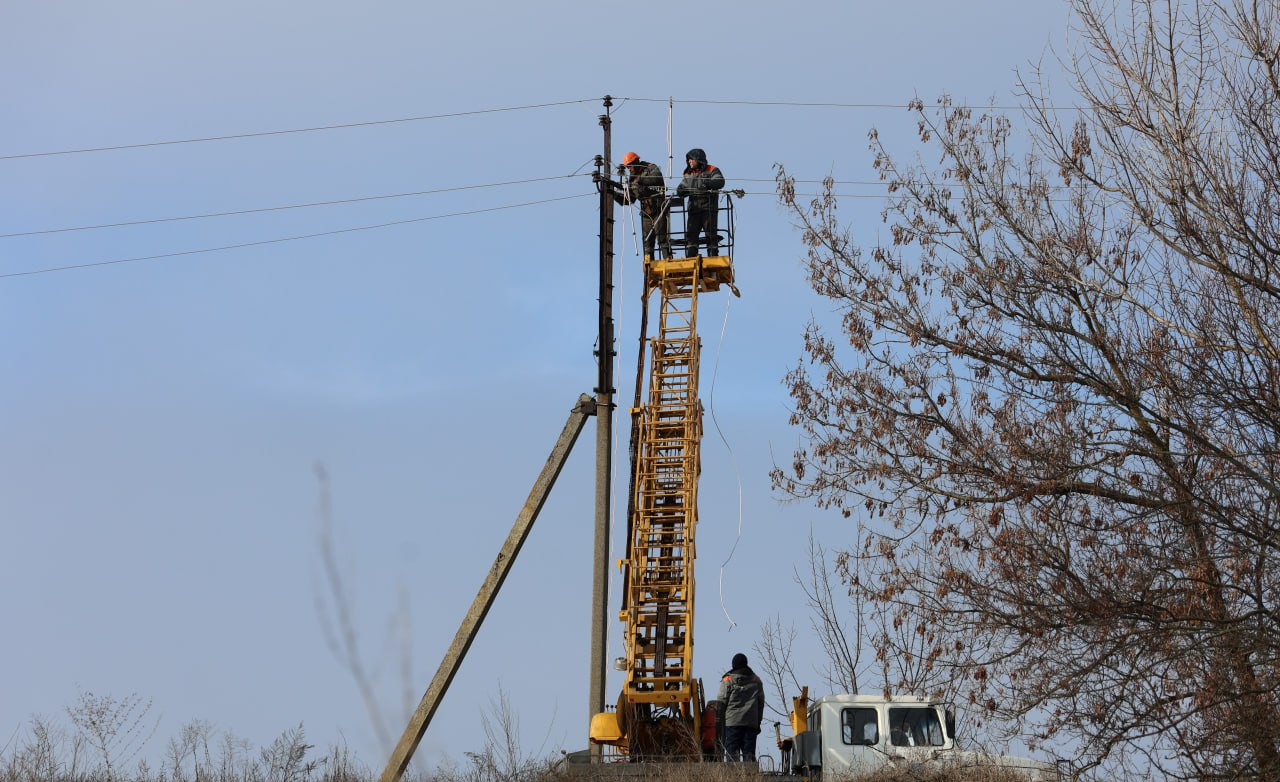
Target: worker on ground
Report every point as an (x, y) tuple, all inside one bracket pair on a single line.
[(701, 184), (742, 709), (647, 187)]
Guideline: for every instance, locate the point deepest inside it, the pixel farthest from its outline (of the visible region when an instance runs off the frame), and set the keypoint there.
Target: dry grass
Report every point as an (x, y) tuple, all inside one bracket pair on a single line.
[(732, 772), (105, 737), (114, 742), (45, 751)]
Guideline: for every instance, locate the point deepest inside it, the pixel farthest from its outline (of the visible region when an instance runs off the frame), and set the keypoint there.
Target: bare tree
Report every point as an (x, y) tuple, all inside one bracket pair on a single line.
[(843, 623), (835, 616), (117, 728), (774, 653), (1057, 394)]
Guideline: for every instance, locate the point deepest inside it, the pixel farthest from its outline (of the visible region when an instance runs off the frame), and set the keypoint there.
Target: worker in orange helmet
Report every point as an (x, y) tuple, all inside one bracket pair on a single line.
[(701, 184), (647, 187)]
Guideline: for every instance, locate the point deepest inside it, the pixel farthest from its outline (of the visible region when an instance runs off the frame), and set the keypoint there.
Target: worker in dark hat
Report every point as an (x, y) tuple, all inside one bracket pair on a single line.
[(741, 709), (701, 185), (647, 187)]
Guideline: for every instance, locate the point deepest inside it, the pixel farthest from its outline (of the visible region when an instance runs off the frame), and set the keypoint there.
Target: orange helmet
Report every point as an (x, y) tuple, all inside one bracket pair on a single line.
[(630, 158)]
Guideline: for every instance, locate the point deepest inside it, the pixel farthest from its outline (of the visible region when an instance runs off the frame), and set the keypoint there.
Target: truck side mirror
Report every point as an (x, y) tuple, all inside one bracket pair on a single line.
[(951, 723)]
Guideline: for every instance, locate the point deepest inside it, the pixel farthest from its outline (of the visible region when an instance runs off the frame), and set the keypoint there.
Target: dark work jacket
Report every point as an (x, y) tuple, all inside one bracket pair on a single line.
[(742, 694), (649, 187), (702, 186)]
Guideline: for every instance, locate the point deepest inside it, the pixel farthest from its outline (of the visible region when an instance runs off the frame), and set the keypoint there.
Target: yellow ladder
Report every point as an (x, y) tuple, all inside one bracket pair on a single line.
[(660, 710), (661, 553)]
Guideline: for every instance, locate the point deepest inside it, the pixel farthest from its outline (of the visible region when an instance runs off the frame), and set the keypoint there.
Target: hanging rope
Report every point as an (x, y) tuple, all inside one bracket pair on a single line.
[(733, 460)]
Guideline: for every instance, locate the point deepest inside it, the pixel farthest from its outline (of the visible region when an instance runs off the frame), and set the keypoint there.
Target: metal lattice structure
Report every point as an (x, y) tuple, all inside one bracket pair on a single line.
[(660, 710), (658, 606)]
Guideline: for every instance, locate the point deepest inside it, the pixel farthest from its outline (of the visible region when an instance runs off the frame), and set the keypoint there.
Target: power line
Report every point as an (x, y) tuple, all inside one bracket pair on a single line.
[(795, 104), (371, 123), (275, 208), (356, 200), (293, 130), (284, 238), (824, 105), (880, 196), (261, 210), (361, 199), (811, 181)]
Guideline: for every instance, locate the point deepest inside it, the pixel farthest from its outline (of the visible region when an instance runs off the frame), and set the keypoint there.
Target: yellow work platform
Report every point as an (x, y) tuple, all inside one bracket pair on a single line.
[(717, 270)]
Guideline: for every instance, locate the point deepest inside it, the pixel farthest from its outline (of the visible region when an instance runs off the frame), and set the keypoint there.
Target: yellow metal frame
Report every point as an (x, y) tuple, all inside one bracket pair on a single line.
[(714, 271), (658, 604)]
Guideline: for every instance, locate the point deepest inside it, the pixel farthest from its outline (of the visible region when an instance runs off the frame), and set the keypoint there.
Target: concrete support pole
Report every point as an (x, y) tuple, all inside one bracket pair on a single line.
[(421, 717)]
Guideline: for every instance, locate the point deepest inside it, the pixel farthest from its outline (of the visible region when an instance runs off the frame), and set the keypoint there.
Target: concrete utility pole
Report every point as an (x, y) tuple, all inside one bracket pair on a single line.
[(602, 407), (604, 432), (421, 717)]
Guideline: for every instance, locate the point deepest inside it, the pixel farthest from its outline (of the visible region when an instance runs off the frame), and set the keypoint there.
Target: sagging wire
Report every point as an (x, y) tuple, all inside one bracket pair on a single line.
[(258, 134), (733, 460), (259, 210), (279, 240), (591, 160)]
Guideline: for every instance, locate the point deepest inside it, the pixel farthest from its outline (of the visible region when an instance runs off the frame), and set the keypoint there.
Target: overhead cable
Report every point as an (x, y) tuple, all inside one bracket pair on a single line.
[(371, 123), (294, 130), (828, 105), (70, 267), (276, 208), (811, 181), (360, 199)]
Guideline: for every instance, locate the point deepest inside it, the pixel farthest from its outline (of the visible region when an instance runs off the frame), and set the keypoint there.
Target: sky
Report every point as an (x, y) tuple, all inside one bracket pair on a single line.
[(161, 420)]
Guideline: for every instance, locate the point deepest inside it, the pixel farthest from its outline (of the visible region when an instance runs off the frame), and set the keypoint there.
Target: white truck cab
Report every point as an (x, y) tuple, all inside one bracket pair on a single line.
[(852, 735)]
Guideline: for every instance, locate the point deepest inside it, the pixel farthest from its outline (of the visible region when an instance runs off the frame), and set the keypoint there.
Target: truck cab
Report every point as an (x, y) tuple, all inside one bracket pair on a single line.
[(858, 734), (852, 735)]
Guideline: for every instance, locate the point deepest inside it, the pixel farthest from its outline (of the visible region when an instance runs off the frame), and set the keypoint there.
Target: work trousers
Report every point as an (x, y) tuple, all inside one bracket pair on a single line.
[(740, 742), (655, 223), (698, 221)]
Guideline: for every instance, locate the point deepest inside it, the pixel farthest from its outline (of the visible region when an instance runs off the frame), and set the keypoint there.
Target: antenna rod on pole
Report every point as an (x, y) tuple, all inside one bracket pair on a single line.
[(671, 153), (604, 432)]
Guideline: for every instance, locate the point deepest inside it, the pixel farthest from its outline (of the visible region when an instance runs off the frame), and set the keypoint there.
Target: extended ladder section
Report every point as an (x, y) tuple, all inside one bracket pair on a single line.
[(660, 710), (658, 606)]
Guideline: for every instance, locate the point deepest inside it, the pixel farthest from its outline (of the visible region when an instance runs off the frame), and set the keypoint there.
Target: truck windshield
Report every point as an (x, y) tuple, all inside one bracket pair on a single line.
[(916, 726)]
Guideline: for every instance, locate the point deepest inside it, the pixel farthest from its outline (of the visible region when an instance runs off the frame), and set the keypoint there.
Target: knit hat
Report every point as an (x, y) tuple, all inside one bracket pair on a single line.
[(739, 660)]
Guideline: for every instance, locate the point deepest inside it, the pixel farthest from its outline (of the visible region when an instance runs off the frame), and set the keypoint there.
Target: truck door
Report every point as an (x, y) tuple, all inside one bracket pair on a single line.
[(858, 741)]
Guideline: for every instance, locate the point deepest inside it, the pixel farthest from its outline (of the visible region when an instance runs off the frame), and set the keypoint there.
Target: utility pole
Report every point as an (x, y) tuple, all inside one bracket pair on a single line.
[(604, 432), (421, 718)]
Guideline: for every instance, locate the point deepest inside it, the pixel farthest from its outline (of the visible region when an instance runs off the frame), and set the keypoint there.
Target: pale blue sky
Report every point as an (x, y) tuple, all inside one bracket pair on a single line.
[(161, 418)]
